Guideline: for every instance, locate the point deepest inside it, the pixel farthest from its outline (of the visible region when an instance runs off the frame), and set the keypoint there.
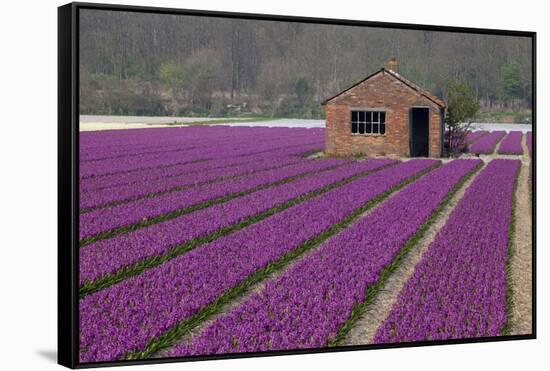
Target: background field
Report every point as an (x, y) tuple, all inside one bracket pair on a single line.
[(163, 65), (101, 122)]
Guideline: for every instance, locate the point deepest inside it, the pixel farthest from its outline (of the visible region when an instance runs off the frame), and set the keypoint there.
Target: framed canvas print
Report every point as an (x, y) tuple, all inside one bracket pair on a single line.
[(235, 185)]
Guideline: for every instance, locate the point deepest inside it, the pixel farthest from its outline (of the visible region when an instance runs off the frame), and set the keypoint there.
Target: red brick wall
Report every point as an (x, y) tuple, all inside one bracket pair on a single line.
[(379, 92)]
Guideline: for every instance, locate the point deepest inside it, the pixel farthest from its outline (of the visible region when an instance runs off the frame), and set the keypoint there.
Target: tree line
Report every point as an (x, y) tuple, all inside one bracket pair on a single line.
[(158, 64)]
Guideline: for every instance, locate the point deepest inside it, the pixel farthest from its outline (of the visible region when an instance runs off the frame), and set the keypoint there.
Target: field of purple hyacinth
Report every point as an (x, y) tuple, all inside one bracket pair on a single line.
[(178, 223), (487, 143), (511, 144), (165, 295)]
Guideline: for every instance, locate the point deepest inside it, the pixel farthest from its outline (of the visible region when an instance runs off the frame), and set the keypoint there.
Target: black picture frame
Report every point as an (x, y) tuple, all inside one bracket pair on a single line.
[(68, 178)]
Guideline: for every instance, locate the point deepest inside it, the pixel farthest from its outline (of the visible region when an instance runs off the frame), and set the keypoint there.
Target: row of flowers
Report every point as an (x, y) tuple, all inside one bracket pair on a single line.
[(473, 136), (486, 144), (511, 144)]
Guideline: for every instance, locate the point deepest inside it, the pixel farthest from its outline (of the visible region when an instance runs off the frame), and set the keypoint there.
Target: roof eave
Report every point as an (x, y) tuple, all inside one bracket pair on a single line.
[(439, 102), (352, 86), (423, 92)]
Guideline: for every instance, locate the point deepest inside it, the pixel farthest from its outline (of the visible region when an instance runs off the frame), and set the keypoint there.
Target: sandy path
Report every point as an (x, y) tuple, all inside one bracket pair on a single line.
[(506, 127), (522, 255), (99, 123), (151, 120), (100, 126), (497, 147), (364, 329)]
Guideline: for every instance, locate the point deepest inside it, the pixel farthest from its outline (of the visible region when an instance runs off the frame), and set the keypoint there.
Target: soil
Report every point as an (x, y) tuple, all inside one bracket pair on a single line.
[(522, 255)]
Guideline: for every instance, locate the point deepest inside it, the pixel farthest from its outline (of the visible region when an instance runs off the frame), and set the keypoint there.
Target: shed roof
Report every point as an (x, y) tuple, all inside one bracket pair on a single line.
[(398, 77)]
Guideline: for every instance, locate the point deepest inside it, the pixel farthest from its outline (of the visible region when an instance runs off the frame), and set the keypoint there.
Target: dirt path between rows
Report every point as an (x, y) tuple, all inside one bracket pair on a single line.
[(364, 329), (497, 147), (522, 254)]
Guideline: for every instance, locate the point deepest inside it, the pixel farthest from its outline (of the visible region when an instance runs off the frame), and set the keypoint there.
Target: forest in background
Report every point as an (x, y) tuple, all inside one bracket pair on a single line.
[(158, 64)]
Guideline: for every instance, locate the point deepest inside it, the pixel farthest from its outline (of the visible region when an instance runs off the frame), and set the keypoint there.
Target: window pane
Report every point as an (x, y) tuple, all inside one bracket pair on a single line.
[(382, 116), (382, 128), (369, 128), (361, 128), (354, 115), (354, 127), (375, 117), (361, 116), (375, 128)]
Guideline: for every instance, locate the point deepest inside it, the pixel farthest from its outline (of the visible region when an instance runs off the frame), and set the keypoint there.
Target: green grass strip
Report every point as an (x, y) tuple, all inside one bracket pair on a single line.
[(201, 205), (171, 336), (373, 290), (511, 250), (133, 270)]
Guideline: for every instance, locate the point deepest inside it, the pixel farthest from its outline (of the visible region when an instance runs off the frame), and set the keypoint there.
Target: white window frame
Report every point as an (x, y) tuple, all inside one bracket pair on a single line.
[(368, 119)]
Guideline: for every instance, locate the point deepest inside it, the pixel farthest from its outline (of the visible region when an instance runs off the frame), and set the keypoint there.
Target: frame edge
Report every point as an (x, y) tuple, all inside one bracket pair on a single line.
[(67, 323), (68, 157)]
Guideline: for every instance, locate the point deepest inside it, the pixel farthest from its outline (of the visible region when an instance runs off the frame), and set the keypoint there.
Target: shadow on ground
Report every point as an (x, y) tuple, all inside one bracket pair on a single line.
[(50, 355)]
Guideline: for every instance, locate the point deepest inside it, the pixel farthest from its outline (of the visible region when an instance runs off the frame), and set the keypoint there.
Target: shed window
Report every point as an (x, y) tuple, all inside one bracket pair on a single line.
[(368, 122)]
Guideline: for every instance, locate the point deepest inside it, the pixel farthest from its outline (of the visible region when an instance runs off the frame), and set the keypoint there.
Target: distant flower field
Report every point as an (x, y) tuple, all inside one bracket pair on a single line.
[(485, 142), (216, 239)]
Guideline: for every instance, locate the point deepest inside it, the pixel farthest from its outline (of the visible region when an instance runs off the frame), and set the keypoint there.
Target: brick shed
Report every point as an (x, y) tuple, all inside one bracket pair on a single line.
[(385, 115)]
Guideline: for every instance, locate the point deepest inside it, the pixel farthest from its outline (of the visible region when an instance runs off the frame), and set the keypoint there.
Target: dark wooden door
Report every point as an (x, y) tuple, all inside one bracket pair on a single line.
[(419, 132)]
